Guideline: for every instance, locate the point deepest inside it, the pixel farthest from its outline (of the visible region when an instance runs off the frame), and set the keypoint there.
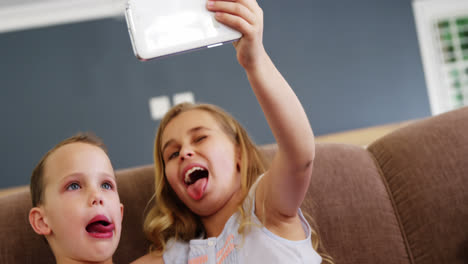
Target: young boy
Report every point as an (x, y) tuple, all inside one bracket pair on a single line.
[(75, 201)]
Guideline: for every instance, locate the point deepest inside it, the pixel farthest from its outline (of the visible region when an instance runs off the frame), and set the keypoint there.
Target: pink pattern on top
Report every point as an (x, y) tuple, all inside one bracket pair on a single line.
[(220, 255), (199, 260), (227, 248)]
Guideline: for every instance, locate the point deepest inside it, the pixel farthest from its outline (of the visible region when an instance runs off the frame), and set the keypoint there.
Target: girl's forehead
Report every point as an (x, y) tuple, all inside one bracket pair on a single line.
[(187, 122), (190, 119)]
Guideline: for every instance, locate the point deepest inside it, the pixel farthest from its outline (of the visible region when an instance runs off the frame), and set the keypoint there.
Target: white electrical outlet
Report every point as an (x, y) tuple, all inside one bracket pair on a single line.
[(159, 106), (183, 98)]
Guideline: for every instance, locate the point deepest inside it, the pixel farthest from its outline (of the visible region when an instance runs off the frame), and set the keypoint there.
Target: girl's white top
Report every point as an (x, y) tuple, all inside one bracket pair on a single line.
[(257, 245)]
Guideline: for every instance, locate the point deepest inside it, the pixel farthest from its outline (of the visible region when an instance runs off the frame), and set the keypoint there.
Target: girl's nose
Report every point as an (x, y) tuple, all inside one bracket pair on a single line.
[(186, 153)]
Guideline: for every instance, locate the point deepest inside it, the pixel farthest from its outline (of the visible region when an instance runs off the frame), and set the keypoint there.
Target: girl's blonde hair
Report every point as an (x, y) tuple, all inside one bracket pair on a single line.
[(169, 217)]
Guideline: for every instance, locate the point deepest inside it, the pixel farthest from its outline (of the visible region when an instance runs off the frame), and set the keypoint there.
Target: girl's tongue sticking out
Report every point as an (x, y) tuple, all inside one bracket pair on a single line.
[(196, 180), (197, 189)]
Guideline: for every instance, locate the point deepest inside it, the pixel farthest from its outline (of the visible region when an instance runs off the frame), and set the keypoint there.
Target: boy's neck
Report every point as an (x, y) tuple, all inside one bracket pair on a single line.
[(72, 261), (214, 224)]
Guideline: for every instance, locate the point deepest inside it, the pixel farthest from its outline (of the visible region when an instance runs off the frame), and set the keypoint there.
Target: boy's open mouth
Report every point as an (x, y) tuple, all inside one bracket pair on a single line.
[(100, 227)]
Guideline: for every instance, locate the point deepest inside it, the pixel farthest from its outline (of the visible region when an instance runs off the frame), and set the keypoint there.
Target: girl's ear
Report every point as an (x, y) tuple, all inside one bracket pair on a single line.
[(38, 221), (238, 159)]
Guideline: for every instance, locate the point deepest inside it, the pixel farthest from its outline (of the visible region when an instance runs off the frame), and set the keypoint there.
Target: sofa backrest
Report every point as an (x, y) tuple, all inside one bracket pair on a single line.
[(425, 169), (402, 200)]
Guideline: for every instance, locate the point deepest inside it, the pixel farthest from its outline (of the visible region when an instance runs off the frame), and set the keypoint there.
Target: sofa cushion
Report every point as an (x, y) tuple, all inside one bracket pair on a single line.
[(426, 169), (19, 243), (350, 204), (136, 187)]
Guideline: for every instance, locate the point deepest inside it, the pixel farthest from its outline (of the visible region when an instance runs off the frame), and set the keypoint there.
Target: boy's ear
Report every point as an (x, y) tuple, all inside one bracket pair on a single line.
[(38, 221), (121, 209)]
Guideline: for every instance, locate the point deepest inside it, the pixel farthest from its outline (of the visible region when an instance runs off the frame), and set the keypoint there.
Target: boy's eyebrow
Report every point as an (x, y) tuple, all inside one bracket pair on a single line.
[(77, 175), (191, 131), (80, 175), (72, 175)]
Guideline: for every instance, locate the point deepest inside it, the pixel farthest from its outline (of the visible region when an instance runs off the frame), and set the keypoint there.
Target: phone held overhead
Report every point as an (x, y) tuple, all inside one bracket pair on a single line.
[(159, 28)]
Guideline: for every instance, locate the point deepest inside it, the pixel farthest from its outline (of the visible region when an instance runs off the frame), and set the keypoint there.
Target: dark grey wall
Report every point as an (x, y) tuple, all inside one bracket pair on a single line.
[(352, 63)]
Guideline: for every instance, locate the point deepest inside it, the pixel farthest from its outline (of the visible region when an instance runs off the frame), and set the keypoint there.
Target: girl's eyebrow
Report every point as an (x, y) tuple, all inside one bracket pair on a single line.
[(167, 145), (191, 131)]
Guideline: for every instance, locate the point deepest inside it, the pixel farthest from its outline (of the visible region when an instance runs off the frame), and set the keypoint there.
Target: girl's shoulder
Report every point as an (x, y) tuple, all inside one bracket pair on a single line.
[(176, 252), (151, 258)]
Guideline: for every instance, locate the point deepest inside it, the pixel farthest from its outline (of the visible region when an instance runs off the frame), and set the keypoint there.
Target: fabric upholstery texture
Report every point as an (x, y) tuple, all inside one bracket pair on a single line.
[(426, 168), (347, 195), (402, 200)]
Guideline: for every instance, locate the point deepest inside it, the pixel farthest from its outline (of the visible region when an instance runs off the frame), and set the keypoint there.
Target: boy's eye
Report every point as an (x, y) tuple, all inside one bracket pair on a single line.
[(106, 186), (73, 186)]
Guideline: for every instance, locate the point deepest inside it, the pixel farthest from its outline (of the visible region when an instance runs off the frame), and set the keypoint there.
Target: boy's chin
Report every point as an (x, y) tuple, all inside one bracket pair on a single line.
[(98, 259), (84, 249), (103, 254), (100, 252), (88, 259)]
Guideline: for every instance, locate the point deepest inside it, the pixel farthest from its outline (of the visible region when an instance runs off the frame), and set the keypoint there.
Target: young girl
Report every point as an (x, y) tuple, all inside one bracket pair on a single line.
[(214, 201)]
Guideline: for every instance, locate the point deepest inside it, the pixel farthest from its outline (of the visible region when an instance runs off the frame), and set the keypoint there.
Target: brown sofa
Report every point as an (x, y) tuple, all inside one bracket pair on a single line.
[(403, 199)]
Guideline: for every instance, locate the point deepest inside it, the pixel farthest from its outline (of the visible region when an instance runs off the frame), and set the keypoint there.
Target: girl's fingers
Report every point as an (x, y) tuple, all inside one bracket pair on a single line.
[(234, 22), (245, 16), (252, 5), (233, 7)]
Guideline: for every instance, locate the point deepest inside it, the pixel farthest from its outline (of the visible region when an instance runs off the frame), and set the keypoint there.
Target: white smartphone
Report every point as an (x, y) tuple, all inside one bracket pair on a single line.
[(160, 28)]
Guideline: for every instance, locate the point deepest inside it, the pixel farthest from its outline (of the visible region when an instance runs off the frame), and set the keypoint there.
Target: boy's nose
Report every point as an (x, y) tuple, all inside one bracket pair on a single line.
[(96, 199)]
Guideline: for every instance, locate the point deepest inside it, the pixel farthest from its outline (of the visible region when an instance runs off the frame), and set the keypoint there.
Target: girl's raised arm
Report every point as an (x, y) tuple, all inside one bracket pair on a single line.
[(285, 184)]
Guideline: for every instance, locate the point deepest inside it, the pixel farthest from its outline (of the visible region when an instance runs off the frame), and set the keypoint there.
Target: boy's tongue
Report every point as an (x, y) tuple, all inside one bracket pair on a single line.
[(99, 227), (197, 189)]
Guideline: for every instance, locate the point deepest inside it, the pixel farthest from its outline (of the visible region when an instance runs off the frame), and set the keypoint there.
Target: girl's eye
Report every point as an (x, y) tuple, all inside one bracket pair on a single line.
[(174, 155), (106, 186), (73, 186), (198, 139)]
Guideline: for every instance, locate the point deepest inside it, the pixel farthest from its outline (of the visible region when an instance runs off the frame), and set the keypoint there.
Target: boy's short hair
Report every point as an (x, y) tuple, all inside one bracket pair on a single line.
[(37, 185)]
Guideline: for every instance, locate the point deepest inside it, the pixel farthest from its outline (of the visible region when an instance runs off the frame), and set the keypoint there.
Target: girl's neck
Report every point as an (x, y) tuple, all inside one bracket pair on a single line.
[(214, 224)]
